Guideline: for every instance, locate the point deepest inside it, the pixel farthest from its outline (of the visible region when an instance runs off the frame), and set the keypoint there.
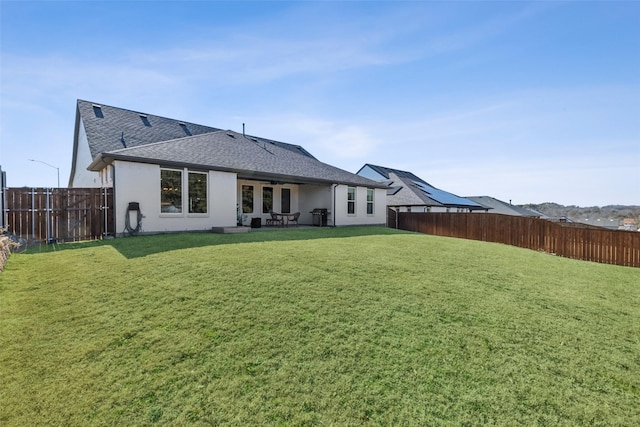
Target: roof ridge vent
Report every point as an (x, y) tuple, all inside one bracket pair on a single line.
[(185, 129)]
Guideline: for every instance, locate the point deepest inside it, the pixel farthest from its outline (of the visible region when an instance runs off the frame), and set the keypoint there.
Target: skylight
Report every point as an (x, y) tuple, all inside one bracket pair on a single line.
[(97, 110)]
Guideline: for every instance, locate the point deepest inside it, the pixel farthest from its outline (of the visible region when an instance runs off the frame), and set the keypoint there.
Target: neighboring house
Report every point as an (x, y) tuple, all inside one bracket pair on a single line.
[(408, 193), (498, 206), (185, 176), (629, 224)]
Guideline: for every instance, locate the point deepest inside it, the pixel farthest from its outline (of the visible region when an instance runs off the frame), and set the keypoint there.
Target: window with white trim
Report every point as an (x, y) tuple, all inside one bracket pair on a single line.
[(197, 192), (351, 200), (247, 199), (285, 200), (267, 199), (170, 191), (369, 201)]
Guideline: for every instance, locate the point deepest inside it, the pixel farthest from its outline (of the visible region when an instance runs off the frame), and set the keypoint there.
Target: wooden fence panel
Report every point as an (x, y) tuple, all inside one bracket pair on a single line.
[(568, 240), (59, 214)]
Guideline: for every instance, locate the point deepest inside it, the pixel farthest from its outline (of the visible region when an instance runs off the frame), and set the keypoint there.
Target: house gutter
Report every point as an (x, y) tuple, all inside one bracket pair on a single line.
[(105, 159)]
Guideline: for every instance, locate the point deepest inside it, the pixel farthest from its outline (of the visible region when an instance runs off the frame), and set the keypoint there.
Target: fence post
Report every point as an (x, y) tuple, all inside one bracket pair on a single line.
[(105, 212), (48, 214), (3, 200), (33, 212)]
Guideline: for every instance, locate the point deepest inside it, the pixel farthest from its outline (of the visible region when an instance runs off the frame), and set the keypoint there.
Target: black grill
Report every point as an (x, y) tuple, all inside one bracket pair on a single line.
[(319, 217)]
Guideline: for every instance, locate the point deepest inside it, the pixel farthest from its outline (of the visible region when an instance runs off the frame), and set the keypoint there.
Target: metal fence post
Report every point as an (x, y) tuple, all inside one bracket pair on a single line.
[(48, 214), (33, 213), (3, 201), (105, 212)]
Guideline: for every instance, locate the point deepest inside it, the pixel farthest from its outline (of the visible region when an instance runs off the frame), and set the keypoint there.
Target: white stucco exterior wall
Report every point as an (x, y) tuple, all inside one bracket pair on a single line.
[(360, 217), (138, 182), (82, 177), (315, 197)]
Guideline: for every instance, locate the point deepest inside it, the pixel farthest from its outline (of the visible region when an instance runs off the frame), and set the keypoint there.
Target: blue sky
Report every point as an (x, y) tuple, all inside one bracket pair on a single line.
[(523, 101)]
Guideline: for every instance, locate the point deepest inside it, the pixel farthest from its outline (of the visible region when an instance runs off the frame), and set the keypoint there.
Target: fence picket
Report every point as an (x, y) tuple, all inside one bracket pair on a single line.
[(60, 214), (569, 240)]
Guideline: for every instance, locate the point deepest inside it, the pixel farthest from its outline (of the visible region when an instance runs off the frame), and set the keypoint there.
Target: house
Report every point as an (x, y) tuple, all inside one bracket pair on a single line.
[(408, 193), (629, 224), (499, 207), (180, 176)]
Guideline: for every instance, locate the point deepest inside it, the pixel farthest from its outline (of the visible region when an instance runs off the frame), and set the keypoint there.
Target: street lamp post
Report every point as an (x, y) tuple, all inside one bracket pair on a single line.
[(51, 166)]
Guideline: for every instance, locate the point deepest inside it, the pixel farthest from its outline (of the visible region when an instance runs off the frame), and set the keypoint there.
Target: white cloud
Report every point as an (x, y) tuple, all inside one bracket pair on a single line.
[(330, 141)]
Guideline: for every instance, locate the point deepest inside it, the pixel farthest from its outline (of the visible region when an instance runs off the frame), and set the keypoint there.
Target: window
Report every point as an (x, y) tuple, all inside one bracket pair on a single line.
[(369, 201), (197, 192), (267, 199), (247, 199), (285, 200), (351, 200), (170, 191)]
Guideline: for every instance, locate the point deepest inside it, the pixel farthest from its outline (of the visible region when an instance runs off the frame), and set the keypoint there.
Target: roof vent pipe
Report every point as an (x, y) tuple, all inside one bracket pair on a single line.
[(243, 129)]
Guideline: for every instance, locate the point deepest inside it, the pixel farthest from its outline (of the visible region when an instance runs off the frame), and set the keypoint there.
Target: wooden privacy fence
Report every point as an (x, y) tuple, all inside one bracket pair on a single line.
[(59, 214), (572, 241)]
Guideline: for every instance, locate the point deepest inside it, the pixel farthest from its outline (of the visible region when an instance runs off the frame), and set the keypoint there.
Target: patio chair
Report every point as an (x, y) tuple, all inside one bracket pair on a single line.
[(276, 219), (294, 218)]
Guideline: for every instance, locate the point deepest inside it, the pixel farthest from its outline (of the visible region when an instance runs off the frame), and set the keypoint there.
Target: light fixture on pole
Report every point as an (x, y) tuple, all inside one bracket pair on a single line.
[(51, 166)]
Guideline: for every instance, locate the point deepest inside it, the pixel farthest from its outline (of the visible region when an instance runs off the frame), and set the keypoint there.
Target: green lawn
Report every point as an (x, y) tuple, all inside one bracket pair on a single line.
[(348, 326)]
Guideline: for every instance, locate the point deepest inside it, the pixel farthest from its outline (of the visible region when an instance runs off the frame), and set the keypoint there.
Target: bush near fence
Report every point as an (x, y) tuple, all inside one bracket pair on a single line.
[(6, 244), (572, 241)]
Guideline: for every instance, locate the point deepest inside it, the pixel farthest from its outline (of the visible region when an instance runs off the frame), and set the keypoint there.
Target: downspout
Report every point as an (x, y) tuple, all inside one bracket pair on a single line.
[(114, 203), (333, 209)]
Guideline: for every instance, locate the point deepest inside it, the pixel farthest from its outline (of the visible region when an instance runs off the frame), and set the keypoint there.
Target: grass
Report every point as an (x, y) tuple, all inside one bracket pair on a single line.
[(347, 326)]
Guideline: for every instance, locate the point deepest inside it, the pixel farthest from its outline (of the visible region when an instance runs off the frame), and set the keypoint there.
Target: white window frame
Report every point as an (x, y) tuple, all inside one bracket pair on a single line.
[(352, 202), (371, 206), (173, 214), (273, 194), (206, 177), (253, 197)]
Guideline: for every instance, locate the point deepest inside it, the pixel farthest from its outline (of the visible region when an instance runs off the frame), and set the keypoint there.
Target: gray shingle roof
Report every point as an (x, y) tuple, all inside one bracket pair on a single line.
[(107, 127), (415, 191), (111, 128), (500, 207), (231, 151)]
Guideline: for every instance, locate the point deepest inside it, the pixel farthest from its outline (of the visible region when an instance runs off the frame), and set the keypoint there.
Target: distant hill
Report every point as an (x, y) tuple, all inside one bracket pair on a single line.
[(590, 215)]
